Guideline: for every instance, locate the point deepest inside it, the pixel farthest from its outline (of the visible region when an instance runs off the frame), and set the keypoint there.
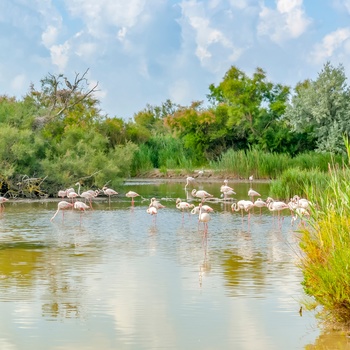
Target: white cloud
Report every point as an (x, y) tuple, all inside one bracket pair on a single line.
[(287, 21), (49, 36), (19, 82), (179, 91), (98, 15), (331, 44), (209, 39), (60, 55)]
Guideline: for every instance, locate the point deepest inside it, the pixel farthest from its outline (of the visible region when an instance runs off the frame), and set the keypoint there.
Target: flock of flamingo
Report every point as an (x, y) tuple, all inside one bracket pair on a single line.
[(299, 207)]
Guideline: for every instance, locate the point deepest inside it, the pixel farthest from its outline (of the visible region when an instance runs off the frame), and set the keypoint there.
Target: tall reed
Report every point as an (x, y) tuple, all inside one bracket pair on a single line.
[(296, 181), (325, 243), (265, 165)]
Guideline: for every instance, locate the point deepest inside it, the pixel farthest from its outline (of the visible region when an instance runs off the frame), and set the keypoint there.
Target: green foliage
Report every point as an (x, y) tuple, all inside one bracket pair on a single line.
[(252, 162), (326, 247), (296, 181), (321, 108)]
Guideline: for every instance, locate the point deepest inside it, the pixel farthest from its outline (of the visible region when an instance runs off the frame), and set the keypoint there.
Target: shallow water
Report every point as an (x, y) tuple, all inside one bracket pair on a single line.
[(117, 278)]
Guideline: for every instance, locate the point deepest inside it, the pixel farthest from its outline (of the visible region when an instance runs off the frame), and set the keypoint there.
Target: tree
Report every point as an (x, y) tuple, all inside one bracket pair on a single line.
[(58, 96), (253, 104), (321, 108)]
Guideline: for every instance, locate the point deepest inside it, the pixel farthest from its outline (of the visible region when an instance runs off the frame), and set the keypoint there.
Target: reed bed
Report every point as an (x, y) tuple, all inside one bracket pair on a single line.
[(325, 244)]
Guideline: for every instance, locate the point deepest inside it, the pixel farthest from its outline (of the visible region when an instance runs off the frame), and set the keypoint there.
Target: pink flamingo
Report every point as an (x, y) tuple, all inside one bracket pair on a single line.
[(2, 201), (71, 194), (204, 217), (278, 206), (201, 194), (88, 195), (204, 208), (189, 180), (226, 190), (156, 204), (62, 205), (153, 212), (260, 204), (132, 195), (109, 192), (240, 206), (252, 194), (62, 193), (81, 206), (183, 206)]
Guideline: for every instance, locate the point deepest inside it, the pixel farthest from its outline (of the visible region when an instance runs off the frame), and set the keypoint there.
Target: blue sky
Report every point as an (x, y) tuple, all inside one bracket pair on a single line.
[(147, 51)]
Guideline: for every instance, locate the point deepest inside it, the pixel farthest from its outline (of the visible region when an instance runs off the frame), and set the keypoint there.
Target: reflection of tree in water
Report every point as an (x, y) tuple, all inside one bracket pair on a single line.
[(330, 340), (17, 263), (241, 274)]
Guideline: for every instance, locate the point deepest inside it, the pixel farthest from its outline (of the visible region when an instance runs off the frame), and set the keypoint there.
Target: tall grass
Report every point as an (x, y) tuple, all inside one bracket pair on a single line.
[(325, 244), (270, 165), (296, 181)]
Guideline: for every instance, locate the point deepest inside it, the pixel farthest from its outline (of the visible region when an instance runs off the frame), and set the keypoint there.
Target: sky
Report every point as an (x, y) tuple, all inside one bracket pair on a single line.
[(144, 52)]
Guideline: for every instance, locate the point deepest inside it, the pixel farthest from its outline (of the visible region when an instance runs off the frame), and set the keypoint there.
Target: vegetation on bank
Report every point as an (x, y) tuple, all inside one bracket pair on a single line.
[(56, 135), (325, 243)]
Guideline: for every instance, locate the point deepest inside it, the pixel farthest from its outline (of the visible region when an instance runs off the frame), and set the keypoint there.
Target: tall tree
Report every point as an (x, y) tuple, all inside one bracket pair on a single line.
[(252, 103), (321, 108)]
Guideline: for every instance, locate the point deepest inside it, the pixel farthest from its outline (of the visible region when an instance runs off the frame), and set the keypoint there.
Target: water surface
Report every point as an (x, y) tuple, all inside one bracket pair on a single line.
[(117, 278)]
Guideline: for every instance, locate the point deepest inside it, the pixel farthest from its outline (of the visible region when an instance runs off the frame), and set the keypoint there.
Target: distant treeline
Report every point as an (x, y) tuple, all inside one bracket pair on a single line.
[(56, 135)]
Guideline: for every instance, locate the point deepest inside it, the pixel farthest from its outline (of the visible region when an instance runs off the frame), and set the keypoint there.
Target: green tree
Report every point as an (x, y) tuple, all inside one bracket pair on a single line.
[(253, 104), (321, 108)]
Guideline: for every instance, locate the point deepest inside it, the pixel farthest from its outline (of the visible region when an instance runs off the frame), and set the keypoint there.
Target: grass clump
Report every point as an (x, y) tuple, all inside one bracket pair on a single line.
[(325, 244), (296, 181)]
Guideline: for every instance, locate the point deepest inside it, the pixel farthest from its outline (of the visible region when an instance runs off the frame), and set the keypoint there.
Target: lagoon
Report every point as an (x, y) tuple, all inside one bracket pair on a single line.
[(117, 278)]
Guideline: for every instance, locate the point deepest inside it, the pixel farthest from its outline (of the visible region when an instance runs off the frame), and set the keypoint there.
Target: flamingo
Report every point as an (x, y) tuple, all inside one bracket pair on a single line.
[(204, 208), (108, 192), (72, 194), (81, 206), (301, 213), (277, 206), (301, 202), (252, 194), (201, 194), (260, 204), (62, 193), (240, 205), (156, 204), (204, 217), (189, 180), (2, 201), (183, 206), (153, 212), (226, 190), (88, 195), (248, 206), (62, 205), (132, 195)]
